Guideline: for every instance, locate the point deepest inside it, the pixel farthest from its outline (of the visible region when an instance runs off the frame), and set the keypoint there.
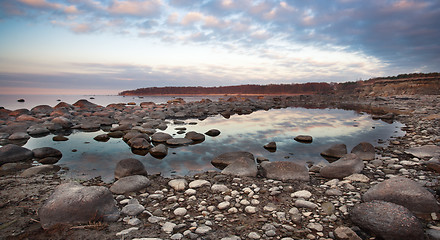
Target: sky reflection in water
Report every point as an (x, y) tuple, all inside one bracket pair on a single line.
[(239, 133)]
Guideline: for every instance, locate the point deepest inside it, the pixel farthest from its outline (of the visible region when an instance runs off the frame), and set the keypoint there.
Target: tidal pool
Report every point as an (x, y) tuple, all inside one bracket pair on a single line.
[(238, 133)]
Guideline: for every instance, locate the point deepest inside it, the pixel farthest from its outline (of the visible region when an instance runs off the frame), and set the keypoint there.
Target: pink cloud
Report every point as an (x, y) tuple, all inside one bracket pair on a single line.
[(192, 17), (135, 8)]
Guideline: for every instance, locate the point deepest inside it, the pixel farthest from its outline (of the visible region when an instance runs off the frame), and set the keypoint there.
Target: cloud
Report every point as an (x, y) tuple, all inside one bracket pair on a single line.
[(191, 18), (135, 8)]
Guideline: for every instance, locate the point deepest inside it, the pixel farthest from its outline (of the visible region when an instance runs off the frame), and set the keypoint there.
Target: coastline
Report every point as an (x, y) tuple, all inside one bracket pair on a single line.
[(21, 197)]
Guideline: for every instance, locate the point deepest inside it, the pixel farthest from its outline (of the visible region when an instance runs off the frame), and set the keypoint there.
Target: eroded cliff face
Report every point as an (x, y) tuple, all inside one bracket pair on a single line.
[(385, 88)]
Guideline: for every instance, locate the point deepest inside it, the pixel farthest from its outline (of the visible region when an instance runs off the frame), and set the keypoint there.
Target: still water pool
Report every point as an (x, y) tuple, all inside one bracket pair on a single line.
[(238, 133)]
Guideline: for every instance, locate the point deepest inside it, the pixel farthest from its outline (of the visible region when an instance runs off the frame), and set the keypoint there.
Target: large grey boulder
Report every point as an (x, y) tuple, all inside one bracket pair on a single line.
[(128, 167), (72, 203), (285, 171), (365, 151), (223, 160), (405, 192), (335, 151), (13, 153), (424, 151), (242, 167), (42, 109), (387, 220), (44, 152), (345, 166), (130, 184)]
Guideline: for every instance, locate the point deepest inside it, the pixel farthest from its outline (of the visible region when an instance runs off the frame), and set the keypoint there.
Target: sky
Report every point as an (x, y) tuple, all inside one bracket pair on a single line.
[(107, 46)]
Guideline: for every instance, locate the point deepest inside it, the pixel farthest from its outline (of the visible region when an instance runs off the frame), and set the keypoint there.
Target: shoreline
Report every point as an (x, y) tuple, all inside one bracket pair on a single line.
[(275, 216)]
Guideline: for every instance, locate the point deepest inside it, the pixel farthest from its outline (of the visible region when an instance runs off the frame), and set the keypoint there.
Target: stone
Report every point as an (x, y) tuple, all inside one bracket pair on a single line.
[(42, 109), (365, 151), (48, 160), (180, 211), (63, 122), (335, 151), (315, 226), (345, 233), (129, 166), (250, 209), (305, 204), (178, 141), (59, 138), (223, 160), (132, 209), (301, 194), (223, 205), (12, 153), (40, 170), (219, 188), (343, 167), (195, 136), (254, 235), (159, 151), (328, 208), (213, 132), (139, 143), (272, 146), (405, 192), (84, 104), (168, 227), (130, 184), (19, 136), (434, 164), (242, 167), (424, 151), (304, 139), (44, 152), (160, 137), (356, 177), (203, 229), (102, 138), (72, 203), (178, 184), (37, 130), (387, 220), (199, 183), (285, 171), (126, 231)]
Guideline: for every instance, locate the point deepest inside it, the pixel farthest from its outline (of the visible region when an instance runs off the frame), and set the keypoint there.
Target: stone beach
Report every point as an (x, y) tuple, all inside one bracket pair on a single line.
[(388, 192)]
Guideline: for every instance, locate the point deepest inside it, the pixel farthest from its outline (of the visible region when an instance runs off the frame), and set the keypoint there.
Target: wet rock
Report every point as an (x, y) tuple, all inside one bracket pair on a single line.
[(223, 160), (133, 209), (60, 138), (345, 233), (102, 138), (64, 122), (242, 167), (130, 184), (139, 143), (116, 134), (199, 183), (285, 171), (343, 167), (405, 192), (72, 203), (387, 220), (134, 134), (48, 160), (335, 151), (84, 104), (37, 130), (160, 137), (424, 151), (12, 153), (365, 151), (42, 109), (195, 136), (47, 168), (128, 167), (304, 138), (178, 184), (63, 105), (19, 136), (44, 152), (25, 117), (434, 164), (213, 132), (159, 151), (179, 141), (272, 146)]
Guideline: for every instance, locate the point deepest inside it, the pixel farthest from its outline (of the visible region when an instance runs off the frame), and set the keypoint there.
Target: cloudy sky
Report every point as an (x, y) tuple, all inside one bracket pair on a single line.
[(106, 46)]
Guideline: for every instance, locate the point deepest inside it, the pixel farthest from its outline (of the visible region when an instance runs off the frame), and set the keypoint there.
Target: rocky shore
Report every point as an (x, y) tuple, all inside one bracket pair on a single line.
[(386, 192)]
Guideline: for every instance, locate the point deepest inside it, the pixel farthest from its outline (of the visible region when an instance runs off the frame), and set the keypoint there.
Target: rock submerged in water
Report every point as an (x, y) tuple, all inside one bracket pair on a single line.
[(304, 139), (242, 167), (160, 137), (335, 151), (405, 192), (387, 220), (72, 203), (128, 167), (345, 166), (285, 171), (223, 160), (44, 152)]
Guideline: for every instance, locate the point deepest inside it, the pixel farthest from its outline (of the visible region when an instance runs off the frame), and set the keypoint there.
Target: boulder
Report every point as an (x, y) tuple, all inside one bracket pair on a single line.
[(129, 184), (37, 130), (405, 192), (63, 122), (285, 171), (13, 153), (195, 136), (25, 117), (178, 141), (129, 166), (42, 109), (19, 112), (72, 203), (345, 233), (335, 151), (345, 166), (48, 160), (387, 220), (272, 146), (84, 104), (47, 168), (178, 184), (424, 151), (365, 151), (304, 138), (242, 167), (60, 138), (139, 143), (223, 160), (159, 151), (19, 136), (102, 138), (213, 132), (134, 134), (160, 137), (63, 105), (44, 152), (434, 164)]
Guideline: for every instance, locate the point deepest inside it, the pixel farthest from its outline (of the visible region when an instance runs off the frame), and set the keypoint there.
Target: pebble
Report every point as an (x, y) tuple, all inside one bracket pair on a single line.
[(223, 205), (301, 194), (305, 204), (126, 231), (180, 211), (250, 209), (254, 235), (199, 183), (168, 227), (203, 229)]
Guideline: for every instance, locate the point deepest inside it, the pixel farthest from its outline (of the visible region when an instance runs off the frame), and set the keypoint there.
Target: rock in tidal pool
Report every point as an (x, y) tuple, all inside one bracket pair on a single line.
[(242, 167), (40, 170), (159, 151), (72, 203), (424, 151), (13, 153), (160, 137), (130, 184), (223, 160), (271, 147), (128, 167), (335, 151), (285, 171), (195, 136), (44, 152), (102, 138), (387, 220), (179, 141), (365, 151), (405, 192), (343, 167), (304, 139), (213, 133)]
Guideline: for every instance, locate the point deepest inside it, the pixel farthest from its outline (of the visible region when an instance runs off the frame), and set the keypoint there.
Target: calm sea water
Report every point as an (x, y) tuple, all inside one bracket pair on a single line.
[(239, 133), (10, 101)]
